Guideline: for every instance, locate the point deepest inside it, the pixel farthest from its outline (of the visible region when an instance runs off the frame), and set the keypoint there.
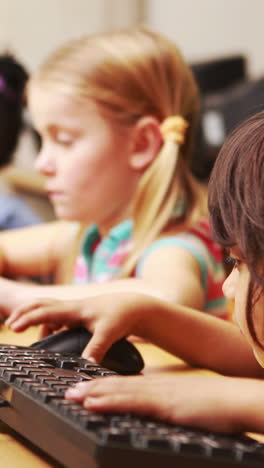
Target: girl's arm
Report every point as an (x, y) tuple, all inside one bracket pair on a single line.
[(216, 403), (34, 251), (15, 293), (171, 273), (41, 250), (176, 274), (197, 338)]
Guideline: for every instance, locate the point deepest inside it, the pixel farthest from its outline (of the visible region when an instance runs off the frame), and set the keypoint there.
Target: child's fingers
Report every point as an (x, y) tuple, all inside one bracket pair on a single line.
[(47, 329), (54, 314), (34, 317), (96, 387), (112, 394), (26, 308), (103, 337)]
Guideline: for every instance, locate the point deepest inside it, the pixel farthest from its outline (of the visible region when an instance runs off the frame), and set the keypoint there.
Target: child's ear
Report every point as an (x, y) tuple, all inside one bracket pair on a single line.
[(147, 141)]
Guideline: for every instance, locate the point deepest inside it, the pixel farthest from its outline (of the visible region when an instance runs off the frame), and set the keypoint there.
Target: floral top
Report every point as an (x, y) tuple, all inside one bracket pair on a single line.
[(101, 259)]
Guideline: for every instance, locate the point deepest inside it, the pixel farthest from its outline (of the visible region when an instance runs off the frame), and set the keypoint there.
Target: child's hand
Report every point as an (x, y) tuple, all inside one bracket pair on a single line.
[(52, 312), (207, 402), (108, 316)]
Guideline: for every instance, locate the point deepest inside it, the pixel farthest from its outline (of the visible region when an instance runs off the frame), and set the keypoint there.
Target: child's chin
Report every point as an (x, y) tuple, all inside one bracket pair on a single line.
[(63, 214)]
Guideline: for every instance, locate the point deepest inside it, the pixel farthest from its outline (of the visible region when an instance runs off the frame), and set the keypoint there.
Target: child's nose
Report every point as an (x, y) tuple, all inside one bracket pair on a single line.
[(44, 163), (229, 286)]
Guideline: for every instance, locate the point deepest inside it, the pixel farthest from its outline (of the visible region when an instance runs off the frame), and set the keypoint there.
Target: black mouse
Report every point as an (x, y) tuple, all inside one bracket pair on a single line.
[(122, 357)]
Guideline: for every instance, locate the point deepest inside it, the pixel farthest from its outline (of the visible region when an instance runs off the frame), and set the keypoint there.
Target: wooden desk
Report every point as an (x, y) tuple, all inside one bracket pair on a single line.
[(18, 453)]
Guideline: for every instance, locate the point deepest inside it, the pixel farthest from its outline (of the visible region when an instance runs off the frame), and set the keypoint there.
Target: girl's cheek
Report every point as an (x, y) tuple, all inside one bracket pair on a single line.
[(259, 355), (230, 284)]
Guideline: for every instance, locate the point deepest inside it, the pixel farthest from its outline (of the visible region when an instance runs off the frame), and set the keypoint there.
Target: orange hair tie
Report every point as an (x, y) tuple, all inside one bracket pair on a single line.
[(174, 128)]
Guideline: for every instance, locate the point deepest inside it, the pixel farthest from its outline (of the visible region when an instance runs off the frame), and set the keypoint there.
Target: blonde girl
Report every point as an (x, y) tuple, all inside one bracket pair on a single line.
[(116, 113)]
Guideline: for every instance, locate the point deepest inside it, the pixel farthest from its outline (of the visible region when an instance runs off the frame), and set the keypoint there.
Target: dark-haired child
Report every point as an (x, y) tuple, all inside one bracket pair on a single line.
[(14, 212)]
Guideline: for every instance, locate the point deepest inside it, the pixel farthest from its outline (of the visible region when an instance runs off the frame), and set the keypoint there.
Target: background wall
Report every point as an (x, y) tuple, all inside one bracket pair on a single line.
[(202, 28), (32, 28), (207, 28)]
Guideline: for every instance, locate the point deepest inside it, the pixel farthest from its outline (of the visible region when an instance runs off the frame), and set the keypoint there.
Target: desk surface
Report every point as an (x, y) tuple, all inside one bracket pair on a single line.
[(17, 453)]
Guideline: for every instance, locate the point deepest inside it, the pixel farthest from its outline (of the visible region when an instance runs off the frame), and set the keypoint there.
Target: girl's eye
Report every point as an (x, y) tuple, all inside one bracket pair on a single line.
[(64, 138), (234, 262)]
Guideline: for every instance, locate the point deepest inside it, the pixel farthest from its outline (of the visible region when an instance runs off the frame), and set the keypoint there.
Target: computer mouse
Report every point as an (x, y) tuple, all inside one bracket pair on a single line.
[(122, 357)]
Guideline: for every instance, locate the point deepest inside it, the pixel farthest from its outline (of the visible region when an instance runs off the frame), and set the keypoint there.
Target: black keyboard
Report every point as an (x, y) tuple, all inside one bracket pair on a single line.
[(32, 386)]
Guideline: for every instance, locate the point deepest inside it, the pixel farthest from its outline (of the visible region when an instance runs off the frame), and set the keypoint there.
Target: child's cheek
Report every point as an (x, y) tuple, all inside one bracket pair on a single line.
[(259, 355)]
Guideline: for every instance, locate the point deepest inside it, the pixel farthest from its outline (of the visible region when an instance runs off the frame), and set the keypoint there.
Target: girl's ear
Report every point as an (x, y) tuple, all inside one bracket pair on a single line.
[(147, 141)]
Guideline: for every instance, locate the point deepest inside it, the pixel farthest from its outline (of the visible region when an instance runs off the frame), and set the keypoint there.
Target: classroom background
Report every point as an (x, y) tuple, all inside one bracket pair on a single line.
[(223, 41)]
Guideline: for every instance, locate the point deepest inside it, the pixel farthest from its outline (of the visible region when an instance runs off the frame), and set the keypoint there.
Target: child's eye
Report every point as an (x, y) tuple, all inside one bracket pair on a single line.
[(64, 138), (234, 262)]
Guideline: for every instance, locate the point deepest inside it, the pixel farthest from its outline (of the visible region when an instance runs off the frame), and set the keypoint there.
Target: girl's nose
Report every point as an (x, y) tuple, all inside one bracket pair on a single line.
[(45, 164), (230, 284)]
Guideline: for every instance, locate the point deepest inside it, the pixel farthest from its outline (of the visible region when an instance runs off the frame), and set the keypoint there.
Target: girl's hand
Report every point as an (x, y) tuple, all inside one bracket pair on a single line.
[(12, 294), (207, 402), (54, 313), (108, 316)]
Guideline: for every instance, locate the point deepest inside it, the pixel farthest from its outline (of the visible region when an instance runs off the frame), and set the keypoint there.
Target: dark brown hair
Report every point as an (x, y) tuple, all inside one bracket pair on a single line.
[(236, 200), (13, 78)]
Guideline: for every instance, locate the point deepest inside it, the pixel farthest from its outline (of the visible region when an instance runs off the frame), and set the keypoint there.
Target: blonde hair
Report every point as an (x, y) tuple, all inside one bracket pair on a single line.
[(131, 73)]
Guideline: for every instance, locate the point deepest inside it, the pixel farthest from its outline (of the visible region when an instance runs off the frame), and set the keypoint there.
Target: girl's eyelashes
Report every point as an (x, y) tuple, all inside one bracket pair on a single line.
[(235, 262), (59, 136), (63, 138)]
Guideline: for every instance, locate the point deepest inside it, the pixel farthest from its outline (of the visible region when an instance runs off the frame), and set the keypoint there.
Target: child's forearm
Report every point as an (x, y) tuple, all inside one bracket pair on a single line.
[(197, 338), (15, 293)]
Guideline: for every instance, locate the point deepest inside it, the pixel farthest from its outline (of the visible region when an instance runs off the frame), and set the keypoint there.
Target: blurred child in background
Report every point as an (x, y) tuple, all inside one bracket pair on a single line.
[(14, 212), (116, 113)]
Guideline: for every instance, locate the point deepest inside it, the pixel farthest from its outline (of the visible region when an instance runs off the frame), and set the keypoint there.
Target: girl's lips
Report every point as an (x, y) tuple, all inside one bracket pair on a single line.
[(56, 195)]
